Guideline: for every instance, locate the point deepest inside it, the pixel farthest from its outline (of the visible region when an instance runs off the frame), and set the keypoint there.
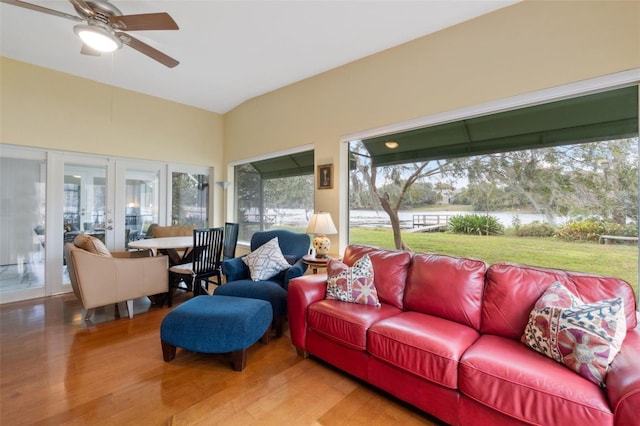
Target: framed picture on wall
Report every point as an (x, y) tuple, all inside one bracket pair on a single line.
[(325, 176)]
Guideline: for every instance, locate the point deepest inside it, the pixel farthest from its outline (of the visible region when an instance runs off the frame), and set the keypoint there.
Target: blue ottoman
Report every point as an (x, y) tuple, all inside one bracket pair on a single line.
[(216, 324)]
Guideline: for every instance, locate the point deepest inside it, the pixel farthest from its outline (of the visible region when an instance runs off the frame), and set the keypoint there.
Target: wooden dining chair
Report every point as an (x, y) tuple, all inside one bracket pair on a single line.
[(231, 231), (230, 240), (205, 264)]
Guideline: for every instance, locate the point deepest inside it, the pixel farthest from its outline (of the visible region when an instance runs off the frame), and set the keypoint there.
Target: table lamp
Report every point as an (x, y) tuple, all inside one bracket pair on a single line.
[(321, 225)]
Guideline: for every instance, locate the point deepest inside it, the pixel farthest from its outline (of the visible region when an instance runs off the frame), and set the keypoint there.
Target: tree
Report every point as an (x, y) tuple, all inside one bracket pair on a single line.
[(596, 178), (397, 181), (289, 193), (608, 182), (186, 194)]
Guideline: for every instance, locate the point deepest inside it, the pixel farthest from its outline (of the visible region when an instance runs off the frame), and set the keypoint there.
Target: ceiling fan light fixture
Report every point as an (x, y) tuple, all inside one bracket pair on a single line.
[(98, 38)]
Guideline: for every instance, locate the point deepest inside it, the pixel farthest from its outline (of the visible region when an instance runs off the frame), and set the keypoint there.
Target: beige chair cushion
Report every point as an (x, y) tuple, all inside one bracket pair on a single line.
[(184, 269), (91, 244)]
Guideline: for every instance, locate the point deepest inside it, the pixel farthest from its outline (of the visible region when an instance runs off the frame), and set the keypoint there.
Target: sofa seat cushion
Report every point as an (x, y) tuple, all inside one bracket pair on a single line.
[(347, 323), (505, 375), (425, 345)]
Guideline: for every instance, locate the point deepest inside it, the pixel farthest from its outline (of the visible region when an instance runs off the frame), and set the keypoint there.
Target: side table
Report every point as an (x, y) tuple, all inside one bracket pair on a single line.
[(315, 262)]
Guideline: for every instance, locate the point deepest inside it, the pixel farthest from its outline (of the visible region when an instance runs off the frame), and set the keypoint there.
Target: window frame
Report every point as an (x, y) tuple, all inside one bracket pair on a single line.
[(231, 200)]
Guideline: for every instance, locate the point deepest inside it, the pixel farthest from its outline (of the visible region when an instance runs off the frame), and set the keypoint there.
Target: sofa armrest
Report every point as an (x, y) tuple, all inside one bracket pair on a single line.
[(235, 269), (623, 380), (303, 291), (297, 270)]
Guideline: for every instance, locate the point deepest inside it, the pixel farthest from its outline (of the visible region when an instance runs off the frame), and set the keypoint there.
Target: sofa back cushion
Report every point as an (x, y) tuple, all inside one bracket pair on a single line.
[(512, 291), (389, 271), (172, 231), (446, 286)]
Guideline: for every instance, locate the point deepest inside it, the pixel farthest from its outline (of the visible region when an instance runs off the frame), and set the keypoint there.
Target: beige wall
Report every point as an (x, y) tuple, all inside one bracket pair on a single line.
[(49, 109), (523, 48)]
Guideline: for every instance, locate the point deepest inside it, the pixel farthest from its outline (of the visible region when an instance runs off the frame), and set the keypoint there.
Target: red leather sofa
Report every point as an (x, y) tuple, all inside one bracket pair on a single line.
[(446, 339)]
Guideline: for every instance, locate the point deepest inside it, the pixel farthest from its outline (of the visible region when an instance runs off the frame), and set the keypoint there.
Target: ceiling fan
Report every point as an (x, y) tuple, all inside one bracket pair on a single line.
[(104, 26)]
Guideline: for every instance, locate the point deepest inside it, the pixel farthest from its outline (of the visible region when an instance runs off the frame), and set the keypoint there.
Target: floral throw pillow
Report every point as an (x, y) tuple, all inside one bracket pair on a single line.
[(266, 261), (352, 284), (583, 336)]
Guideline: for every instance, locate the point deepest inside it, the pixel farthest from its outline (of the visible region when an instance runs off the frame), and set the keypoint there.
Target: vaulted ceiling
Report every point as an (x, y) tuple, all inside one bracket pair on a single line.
[(231, 51)]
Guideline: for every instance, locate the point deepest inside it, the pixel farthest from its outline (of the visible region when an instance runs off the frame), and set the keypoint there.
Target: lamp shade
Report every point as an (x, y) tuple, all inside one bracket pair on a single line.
[(321, 224)]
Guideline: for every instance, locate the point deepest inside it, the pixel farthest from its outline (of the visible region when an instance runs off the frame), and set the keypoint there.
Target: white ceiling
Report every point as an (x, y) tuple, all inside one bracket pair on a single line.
[(231, 51)]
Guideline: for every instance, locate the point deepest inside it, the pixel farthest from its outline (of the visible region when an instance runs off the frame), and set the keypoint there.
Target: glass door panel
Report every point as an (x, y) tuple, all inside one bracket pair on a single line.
[(85, 208), (22, 226), (142, 199), (190, 199)]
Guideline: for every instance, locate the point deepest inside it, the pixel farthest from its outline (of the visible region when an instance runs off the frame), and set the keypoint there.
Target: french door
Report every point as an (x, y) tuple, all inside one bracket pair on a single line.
[(48, 198), (84, 187)]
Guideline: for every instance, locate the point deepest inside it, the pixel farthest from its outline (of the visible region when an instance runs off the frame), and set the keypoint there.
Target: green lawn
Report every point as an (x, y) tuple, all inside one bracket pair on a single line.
[(604, 259)]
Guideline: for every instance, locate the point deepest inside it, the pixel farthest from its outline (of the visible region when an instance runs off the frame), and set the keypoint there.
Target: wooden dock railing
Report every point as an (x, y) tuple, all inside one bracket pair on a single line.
[(420, 220)]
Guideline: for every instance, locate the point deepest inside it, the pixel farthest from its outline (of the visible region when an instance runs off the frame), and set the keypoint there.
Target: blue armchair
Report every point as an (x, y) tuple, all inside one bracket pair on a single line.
[(274, 290)]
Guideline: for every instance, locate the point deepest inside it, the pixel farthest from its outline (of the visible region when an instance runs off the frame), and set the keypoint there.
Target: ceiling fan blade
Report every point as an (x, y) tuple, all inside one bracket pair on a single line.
[(42, 9), (145, 21), (86, 50), (145, 49)]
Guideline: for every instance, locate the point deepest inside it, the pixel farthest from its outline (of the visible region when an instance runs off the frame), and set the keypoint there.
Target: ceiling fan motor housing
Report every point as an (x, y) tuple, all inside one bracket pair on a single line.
[(102, 10)]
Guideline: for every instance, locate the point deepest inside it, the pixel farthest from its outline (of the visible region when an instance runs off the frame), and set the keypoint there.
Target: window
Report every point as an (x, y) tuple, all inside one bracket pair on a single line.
[(22, 224), (274, 193), (190, 199), (545, 181)]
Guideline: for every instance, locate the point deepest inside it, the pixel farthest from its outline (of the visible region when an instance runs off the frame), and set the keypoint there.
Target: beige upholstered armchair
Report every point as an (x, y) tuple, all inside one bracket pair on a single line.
[(100, 278)]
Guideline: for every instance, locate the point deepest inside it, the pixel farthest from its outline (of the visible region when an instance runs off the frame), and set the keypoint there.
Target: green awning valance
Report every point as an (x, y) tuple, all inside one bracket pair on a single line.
[(601, 116), (298, 164)]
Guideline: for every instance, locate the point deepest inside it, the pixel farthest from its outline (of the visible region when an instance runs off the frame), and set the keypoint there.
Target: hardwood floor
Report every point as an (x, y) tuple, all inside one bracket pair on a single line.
[(58, 370)]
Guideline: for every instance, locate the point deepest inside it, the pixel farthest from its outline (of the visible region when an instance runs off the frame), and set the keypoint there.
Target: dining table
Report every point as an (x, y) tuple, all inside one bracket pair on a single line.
[(170, 246)]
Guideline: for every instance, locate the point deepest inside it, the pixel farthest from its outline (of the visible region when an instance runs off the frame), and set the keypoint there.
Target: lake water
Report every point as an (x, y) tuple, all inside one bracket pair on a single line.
[(379, 218), (373, 218)]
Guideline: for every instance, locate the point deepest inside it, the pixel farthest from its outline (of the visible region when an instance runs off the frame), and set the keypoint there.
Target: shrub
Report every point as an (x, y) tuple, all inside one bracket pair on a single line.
[(582, 230), (629, 230), (536, 229), (591, 229), (475, 224)]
